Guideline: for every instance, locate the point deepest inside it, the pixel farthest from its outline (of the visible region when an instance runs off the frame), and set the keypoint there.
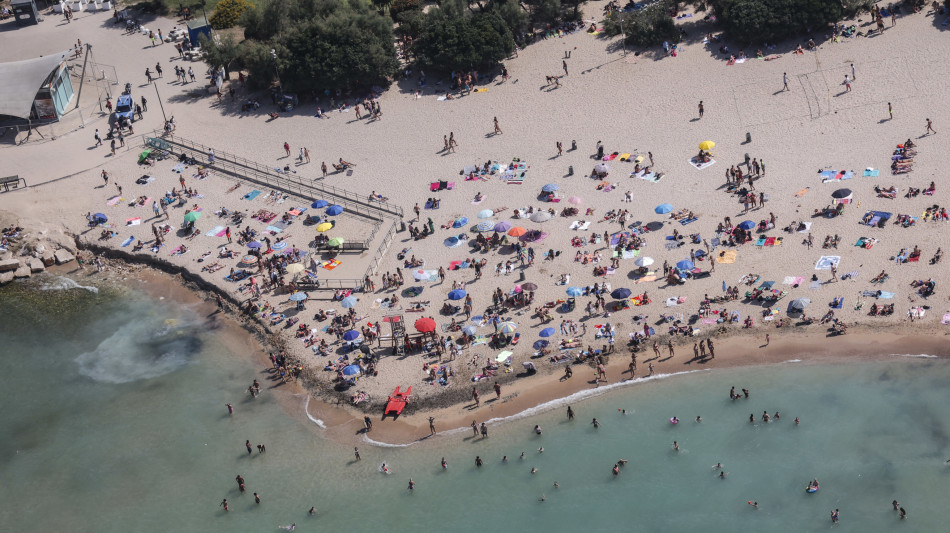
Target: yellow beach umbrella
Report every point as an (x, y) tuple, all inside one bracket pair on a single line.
[(707, 145), (295, 268), (326, 226)]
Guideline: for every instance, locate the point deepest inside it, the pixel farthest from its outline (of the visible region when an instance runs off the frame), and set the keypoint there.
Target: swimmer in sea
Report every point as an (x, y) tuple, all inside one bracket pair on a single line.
[(595, 423), (754, 504), (541, 449), (478, 461), (765, 416), (504, 459), (622, 462), (777, 416), (896, 504), (312, 511), (718, 466), (537, 429), (542, 497), (699, 418), (752, 418), (722, 474), (676, 446), (675, 420), (412, 484), (615, 469), (556, 484), (291, 527), (534, 470), (797, 421), (522, 456), (444, 464), (384, 469)]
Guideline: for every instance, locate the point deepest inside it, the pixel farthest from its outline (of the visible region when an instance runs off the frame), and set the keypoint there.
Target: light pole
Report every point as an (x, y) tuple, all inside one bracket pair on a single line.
[(160, 102), (280, 86)]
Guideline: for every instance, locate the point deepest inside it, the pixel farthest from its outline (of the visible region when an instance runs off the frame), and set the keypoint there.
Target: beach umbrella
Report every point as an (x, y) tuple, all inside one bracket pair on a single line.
[(550, 187), (425, 325), (336, 242), (351, 335), (348, 302), (747, 224), (452, 242), (620, 294), (192, 216), (539, 344), (517, 231), (351, 370), (334, 210), (707, 145), (279, 245), (685, 264), (295, 268), (488, 225), (297, 297), (529, 286), (541, 216), (547, 332), (644, 261), (575, 291), (653, 226), (576, 200), (502, 226), (799, 304), (100, 217), (469, 330), (412, 292), (325, 226), (663, 209), (601, 168), (486, 213), (319, 204), (254, 244), (364, 348), (249, 259), (457, 294), (459, 222), (421, 275), (507, 327), (841, 194), (529, 366)]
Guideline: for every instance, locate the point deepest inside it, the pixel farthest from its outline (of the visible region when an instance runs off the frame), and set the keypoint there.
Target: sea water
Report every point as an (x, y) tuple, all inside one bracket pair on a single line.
[(113, 418)]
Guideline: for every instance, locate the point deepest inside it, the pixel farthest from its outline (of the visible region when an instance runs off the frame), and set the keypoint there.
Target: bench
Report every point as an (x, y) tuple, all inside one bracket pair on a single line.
[(354, 246), (11, 182)]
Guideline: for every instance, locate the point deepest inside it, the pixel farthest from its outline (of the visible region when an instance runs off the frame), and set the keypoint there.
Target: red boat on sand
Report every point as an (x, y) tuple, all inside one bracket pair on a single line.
[(397, 402)]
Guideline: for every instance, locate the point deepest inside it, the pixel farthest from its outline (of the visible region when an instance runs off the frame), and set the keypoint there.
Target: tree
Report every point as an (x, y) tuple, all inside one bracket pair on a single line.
[(452, 40), (645, 27), (228, 13), (222, 52), (773, 20)]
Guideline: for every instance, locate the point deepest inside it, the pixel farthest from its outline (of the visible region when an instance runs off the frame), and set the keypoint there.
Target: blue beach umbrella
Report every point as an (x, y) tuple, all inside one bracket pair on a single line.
[(451, 242), (748, 224), (351, 335), (469, 330), (352, 370), (539, 344), (319, 203), (348, 302), (254, 244), (297, 297), (550, 187), (459, 222), (486, 213), (100, 217), (663, 209), (547, 332), (685, 264), (457, 294), (575, 291), (620, 294), (488, 225), (334, 210)]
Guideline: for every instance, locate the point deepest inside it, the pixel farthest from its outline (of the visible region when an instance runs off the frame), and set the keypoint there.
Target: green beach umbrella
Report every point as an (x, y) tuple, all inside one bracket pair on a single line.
[(336, 241), (192, 216)]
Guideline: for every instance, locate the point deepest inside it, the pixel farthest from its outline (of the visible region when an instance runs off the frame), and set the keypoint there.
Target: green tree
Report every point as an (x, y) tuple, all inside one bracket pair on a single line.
[(645, 27), (222, 52), (452, 39), (228, 13), (773, 20)]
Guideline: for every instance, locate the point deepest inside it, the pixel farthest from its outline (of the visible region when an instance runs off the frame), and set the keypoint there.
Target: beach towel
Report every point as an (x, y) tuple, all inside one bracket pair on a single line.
[(673, 301), (274, 229), (251, 195), (766, 285), (114, 200), (215, 231), (815, 285), (770, 241), (801, 193), (871, 173), (760, 242), (127, 241), (625, 157), (646, 279), (839, 304), (884, 295), (331, 264), (807, 228), (584, 226), (222, 233), (826, 261), (611, 157), (727, 257), (176, 251), (686, 221), (701, 165), (133, 221)]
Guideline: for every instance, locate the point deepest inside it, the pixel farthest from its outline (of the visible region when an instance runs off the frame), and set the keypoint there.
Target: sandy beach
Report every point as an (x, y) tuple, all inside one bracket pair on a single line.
[(638, 104)]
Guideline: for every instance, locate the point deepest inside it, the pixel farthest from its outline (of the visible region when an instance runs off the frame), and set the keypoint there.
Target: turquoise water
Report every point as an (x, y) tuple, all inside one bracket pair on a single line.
[(113, 420)]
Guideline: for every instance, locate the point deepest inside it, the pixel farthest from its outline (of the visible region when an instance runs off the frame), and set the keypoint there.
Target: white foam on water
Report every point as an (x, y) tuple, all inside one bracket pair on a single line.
[(919, 355), (61, 283), (316, 421), (793, 361), (544, 407)]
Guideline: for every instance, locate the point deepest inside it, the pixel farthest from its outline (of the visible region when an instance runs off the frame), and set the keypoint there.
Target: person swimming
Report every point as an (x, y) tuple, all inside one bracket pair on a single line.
[(444, 464), (534, 470), (384, 468), (616, 469), (718, 466), (537, 429), (595, 423)]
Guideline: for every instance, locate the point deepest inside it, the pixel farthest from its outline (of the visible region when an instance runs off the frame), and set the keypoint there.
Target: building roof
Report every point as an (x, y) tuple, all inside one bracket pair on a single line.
[(20, 81)]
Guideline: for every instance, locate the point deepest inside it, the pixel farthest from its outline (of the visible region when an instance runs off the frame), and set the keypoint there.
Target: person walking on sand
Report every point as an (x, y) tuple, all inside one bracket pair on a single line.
[(930, 128), (431, 425), (785, 81), (306, 154), (227, 233), (287, 148), (701, 109), (564, 66), (475, 396), (767, 339), (847, 84), (497, 127), (669, 345), (834, 273), (99, 143), (323, 167), (560, 149)]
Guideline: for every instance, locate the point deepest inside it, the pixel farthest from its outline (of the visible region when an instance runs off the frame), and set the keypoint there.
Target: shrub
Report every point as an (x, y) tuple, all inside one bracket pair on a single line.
[(646, 27), (228, 13)]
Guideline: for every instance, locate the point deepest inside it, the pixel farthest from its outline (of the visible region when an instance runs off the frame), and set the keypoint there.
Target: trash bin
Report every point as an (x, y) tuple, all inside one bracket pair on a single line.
[(748, 137), (573, 145), (570, 170)]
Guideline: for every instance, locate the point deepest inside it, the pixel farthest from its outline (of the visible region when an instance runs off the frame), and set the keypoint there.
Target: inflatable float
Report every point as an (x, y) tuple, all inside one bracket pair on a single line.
[(812, 488)]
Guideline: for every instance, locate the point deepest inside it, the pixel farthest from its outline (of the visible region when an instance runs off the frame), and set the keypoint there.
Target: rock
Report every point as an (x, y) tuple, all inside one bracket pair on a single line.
[(23, 272), (62, 257), (6, 277), (36, 265), (9, 264), (48, 258)]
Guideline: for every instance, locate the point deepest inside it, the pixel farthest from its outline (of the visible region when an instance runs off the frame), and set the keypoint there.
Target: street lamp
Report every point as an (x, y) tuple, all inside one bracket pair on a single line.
[(280, 86)]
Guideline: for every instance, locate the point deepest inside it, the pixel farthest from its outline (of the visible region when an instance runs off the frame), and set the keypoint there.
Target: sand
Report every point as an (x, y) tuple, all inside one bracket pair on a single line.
[(637, 104)]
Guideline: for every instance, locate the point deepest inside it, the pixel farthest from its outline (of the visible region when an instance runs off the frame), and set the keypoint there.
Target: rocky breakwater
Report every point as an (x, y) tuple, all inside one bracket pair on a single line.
[(25, 252)]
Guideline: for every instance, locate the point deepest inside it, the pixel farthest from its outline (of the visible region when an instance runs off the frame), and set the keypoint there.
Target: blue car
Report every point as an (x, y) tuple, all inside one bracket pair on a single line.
[(124, 107)]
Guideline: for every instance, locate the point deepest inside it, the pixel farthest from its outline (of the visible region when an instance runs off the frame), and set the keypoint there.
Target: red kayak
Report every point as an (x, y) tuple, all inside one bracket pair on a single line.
[(397, 402)]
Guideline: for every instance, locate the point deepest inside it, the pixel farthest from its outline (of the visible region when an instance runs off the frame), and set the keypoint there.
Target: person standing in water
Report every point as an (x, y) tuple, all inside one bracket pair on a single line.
[(595, 423), (230, 408), (257, 498), (676, 446), (356, 452), (445, 465), (224, 503), (412, 485), (570, 413)]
